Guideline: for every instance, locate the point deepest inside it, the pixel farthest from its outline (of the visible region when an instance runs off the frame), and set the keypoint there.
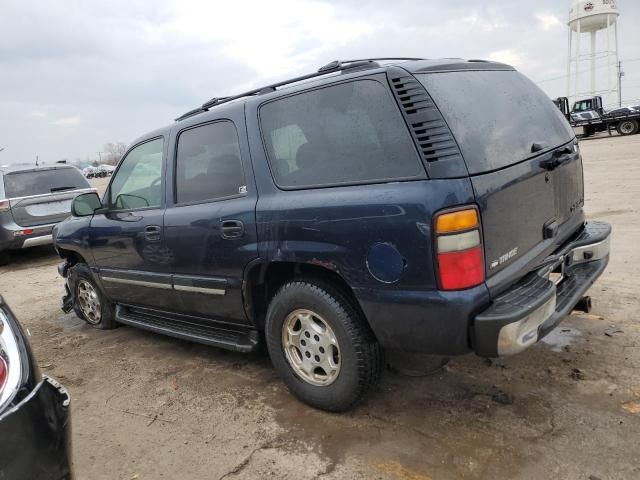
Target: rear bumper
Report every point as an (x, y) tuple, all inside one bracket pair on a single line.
[(12, 239), (529, 310), (36, 435)]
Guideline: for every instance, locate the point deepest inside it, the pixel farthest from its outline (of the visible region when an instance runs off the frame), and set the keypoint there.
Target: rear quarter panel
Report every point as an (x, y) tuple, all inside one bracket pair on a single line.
[(335, 227)]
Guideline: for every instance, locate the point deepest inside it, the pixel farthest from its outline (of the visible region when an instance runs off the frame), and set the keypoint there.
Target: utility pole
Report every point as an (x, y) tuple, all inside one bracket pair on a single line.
[(620, 75), (36, 160)]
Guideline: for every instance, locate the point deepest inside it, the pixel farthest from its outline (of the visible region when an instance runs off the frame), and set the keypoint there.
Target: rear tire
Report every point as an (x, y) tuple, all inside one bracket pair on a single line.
[(5, 257), (627, 127), (336, 359), (89, 303)]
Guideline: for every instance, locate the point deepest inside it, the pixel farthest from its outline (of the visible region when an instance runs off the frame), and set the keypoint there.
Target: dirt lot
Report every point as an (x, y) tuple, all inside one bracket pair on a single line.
[(149, 407)]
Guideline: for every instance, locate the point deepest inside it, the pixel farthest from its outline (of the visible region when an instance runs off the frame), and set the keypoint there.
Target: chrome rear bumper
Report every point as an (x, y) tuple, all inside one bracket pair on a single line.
[(522, 315)]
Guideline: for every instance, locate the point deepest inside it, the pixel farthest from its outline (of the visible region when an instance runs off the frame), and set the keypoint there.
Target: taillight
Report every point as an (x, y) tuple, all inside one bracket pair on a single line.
[(459, 249), (3, 372), (10, 363), (22, 233), (4, 205)]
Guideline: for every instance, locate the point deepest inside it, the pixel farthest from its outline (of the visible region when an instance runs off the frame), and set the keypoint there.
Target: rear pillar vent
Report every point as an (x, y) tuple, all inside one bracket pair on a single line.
[(436, 145)]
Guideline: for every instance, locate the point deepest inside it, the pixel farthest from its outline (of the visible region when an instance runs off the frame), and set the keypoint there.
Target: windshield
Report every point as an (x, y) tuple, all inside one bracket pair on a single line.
[(496, 116), (38, 182)]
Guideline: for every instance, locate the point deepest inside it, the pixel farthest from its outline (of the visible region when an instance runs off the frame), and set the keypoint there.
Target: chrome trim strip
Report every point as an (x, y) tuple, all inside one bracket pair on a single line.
[(142, 283), (210, 291), (35, 241)]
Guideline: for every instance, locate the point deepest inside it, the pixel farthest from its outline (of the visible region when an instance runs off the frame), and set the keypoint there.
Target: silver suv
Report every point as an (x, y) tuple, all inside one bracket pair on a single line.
[(32, 201)]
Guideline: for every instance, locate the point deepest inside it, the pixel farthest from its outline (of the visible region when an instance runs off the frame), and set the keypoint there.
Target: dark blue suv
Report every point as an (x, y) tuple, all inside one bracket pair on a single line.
[(429, 206)]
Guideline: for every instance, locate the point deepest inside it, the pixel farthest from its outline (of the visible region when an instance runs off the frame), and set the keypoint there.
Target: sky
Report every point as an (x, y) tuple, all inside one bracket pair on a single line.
[(75, 75)]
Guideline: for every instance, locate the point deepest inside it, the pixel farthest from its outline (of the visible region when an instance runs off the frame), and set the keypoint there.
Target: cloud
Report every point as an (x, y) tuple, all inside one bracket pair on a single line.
[(272, 40), (110, 70), (508, 56), (66, 122), (548, 21)]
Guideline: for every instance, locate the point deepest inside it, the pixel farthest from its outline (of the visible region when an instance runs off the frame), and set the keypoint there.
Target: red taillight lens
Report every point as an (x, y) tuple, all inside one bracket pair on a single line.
[(460, 270), (22, 233), (10, 369), (3, 372), (459, 249)]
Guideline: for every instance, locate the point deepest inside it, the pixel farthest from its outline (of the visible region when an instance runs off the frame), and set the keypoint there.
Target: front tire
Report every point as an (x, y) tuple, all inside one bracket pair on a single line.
[(321, 346), (89, 302)]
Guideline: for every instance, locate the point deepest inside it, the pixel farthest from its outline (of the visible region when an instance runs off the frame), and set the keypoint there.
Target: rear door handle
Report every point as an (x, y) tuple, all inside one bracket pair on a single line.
[(152, 233), (231, 229)]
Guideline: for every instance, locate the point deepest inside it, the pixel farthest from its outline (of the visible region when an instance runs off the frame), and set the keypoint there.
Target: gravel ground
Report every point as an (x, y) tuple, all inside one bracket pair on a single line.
[(149, 407)]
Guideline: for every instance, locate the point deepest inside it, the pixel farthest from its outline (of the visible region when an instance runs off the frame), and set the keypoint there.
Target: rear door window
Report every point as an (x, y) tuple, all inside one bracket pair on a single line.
[(496, 116), (208, 165), (343, 134), (39, 182)]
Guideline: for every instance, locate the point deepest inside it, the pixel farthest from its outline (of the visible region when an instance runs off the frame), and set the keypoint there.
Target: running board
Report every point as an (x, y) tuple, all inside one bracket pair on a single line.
[(222, 336)]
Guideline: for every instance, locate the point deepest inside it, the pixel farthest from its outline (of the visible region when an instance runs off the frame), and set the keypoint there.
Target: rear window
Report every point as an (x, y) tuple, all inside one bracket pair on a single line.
[(39, 182), (496, 116), (342, 134)]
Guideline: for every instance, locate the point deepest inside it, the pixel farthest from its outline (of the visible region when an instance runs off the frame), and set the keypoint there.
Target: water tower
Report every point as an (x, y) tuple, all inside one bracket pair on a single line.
[(590, 17)]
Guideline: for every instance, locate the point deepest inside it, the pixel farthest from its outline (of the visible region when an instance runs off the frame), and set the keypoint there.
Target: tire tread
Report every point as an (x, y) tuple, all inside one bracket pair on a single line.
[(369, 356)]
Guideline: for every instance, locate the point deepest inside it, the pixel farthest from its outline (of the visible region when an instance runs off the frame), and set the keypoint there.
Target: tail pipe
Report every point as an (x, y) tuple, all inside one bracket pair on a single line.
[(584, 305)]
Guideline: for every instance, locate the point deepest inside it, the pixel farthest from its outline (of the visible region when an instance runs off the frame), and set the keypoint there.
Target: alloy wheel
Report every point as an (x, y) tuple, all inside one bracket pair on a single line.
[(89, 302), (311, 347)]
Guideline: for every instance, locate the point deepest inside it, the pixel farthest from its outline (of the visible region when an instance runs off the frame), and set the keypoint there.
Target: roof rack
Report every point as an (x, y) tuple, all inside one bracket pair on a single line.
[(335, 66)]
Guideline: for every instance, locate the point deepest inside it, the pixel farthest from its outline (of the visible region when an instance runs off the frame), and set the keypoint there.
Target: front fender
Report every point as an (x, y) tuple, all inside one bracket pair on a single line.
[(71, 235)]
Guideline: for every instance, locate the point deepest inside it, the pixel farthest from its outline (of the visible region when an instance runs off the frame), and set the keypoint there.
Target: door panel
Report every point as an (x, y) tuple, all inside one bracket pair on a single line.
[(207, 263), (133, 264), (210, 229), (127, 244)]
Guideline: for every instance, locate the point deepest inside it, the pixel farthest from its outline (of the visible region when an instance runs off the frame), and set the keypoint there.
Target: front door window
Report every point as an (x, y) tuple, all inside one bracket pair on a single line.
[(138, 181)]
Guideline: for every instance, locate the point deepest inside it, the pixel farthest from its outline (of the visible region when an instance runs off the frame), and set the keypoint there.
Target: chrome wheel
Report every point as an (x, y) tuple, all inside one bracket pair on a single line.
[(311, 347), (89, 302)]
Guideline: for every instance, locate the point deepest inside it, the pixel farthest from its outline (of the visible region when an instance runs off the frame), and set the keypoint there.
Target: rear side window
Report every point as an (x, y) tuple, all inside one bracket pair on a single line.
[(342, 134), (39, 182), (208, 165), (496, 116)]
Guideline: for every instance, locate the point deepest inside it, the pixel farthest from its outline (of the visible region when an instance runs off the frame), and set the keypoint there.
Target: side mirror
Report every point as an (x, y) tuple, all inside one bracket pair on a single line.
[(85, 204)]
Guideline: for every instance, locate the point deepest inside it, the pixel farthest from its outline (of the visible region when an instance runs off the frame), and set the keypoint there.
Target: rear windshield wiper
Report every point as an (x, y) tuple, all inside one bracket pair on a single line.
[(59, 189)]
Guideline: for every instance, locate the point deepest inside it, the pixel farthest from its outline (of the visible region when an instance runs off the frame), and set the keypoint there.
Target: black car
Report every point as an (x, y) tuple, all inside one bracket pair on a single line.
[(32, 200), (373, 205), (35, 422)]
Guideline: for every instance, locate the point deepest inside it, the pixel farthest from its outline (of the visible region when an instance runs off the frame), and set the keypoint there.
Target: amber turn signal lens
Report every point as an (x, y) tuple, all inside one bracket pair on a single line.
[(457, 221)]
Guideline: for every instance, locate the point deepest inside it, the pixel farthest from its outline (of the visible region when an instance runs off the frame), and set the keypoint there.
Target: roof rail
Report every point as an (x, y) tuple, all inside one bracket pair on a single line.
[(335, 66)]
